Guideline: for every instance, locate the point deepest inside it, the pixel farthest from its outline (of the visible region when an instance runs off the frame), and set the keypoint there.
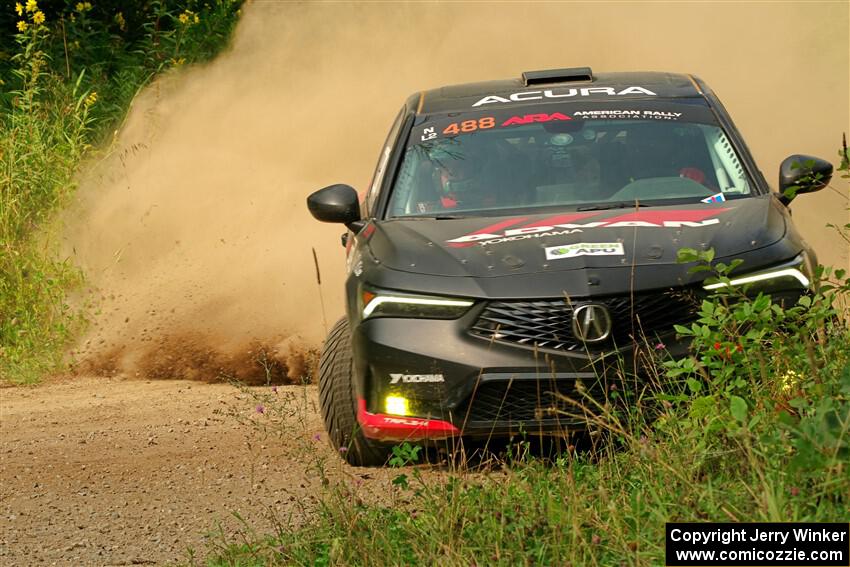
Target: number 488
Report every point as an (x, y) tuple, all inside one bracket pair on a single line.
[(470, 125)]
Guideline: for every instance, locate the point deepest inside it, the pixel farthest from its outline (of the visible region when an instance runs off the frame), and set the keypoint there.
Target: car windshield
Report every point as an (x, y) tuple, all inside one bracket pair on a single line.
[(565, 155)]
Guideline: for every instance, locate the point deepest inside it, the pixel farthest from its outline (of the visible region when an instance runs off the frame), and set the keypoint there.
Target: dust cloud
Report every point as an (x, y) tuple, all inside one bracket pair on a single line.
[(193, 231)]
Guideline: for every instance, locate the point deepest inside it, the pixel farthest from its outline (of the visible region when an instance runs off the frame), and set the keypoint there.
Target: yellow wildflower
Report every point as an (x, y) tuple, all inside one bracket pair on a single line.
[(789, 380), (38, 17), (188, 18), (119, 19), (22, 26), (91, 99), (32, 5), (19, 9), (83, 6)]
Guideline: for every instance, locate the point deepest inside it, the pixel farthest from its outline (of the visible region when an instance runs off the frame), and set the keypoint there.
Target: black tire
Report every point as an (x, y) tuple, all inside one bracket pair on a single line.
[(338, 402)]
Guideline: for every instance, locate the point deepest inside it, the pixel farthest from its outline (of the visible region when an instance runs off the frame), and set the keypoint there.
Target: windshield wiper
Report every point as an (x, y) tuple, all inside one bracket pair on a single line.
[(429, 217), (619, 205)]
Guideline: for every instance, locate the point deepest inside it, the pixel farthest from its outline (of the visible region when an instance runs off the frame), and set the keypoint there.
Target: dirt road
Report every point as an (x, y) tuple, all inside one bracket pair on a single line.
[(119, 472)]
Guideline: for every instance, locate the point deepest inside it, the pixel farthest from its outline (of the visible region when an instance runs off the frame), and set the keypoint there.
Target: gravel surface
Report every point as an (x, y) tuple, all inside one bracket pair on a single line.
[(122, 472)]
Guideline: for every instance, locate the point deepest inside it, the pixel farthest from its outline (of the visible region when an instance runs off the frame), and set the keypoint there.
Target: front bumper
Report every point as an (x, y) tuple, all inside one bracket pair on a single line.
[(480, 388)]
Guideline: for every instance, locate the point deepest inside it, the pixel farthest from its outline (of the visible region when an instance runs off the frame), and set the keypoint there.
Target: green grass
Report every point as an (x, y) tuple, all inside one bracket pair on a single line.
[(720, 436), (68, 74), (588, 510)]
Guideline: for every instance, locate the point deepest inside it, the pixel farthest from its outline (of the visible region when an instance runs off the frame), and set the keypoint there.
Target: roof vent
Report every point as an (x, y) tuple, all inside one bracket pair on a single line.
[(573, 74)]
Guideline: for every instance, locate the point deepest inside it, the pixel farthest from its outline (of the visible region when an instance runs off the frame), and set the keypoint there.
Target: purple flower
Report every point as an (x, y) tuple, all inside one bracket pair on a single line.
[(343, 449), (261, 409), (317, 437), (660, 346)]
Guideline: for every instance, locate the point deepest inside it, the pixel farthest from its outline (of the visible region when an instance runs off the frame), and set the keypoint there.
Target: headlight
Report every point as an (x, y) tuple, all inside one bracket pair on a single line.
[(374, 303), (790, 275)]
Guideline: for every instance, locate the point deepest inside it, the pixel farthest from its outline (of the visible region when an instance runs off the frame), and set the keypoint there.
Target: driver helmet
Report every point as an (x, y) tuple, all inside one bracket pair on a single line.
[(460, 171)]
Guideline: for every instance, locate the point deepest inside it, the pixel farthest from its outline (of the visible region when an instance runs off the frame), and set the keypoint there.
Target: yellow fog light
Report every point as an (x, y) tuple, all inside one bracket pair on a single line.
[(397, 405)]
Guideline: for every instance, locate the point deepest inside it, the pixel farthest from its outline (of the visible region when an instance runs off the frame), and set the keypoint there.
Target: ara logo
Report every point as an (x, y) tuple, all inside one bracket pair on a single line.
[(526, 96), (507, 230), (415, 378), (530, 118)]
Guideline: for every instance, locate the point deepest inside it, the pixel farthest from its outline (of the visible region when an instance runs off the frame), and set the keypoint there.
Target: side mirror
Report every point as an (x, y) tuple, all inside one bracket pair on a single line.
[(336, 203), (802, 174)]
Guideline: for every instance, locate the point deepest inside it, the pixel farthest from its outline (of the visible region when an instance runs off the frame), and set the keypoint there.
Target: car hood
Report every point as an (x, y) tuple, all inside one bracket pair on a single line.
[(524, 244)]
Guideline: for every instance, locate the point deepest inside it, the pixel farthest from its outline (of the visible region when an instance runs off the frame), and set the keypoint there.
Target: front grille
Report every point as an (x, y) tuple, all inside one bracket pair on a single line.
[(547, 323), (525, 400)]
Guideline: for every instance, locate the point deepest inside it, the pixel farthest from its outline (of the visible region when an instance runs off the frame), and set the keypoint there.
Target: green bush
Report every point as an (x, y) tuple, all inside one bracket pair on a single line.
[(69, 73)]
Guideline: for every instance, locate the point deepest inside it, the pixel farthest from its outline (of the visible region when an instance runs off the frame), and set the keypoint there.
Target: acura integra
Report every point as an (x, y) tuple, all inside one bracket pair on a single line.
[(519, 242)]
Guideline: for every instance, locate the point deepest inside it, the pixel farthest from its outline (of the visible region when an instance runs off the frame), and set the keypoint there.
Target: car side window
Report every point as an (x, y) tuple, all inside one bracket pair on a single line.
[(383, 160)]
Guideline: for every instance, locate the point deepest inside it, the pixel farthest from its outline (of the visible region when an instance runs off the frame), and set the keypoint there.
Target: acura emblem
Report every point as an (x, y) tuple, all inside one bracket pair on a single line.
[(591, 323)]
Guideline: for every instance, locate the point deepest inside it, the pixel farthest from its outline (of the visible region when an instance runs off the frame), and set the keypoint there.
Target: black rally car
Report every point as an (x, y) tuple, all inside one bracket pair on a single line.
[(519, 239)]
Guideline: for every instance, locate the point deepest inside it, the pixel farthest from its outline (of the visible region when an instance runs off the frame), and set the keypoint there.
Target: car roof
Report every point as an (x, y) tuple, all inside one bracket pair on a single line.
[(560, 81)]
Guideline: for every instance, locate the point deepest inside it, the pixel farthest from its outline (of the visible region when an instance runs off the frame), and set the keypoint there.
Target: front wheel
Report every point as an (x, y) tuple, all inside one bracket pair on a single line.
[(338, 401)]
